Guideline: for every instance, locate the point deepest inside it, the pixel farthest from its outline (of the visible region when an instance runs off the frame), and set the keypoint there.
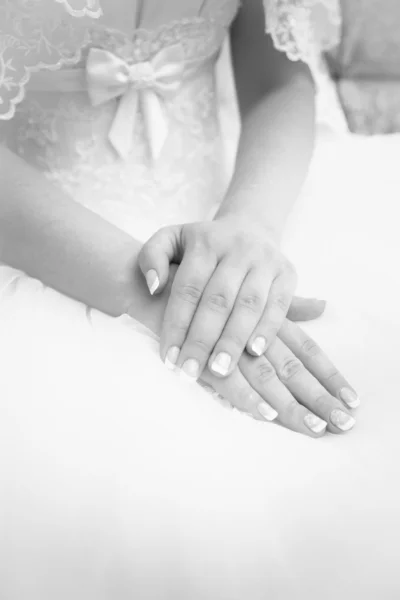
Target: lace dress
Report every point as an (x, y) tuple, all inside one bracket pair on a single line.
[(118, 480)]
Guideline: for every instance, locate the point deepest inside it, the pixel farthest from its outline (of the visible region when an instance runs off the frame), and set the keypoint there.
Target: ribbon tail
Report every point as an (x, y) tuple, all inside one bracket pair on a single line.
[(156, 122), (123, 127)]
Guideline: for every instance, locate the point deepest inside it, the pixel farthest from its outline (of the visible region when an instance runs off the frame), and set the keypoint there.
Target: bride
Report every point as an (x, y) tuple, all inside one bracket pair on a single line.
[(119, 478)]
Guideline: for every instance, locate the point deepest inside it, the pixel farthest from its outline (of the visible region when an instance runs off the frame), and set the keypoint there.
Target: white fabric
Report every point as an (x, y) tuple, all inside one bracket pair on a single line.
[(304, 28), (118, 480), (109, 77)]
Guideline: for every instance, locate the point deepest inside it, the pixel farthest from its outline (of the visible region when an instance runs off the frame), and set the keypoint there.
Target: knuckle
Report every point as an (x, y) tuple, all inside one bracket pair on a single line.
[(199, 238), (245, 399), (176, 327), (233, 341), (218, 302), (251, 302), (189, 292), (310, 348), (265, 372), (322, 402), (292, 410), (162, 231), (240, 240), (201, 345), (282, 301), (290, 369), (290, 270), (199, 246), (333, 374)]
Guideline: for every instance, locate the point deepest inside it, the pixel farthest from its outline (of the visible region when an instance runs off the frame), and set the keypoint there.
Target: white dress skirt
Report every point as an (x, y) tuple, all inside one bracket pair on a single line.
[(119, 481)]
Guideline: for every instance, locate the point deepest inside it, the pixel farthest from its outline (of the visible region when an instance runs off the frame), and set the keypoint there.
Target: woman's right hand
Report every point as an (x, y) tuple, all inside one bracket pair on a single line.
[(294, 383)]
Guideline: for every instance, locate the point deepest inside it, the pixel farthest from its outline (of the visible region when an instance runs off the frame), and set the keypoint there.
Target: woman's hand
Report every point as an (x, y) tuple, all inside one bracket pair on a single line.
[(232, 292), (294, 383)]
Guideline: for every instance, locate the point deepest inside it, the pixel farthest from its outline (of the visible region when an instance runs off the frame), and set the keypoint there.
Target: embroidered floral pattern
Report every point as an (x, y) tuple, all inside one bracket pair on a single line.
[(82, 8), (40, 34), (66, 137), (34, 35), (303, 28)]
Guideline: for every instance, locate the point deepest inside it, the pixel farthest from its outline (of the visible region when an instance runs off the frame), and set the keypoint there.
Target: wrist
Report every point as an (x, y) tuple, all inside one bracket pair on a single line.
[(149, 310), (243, 220)]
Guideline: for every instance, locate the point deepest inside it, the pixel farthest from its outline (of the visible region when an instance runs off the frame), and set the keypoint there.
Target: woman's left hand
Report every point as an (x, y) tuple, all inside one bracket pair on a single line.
[(232, 292), (294, 383)]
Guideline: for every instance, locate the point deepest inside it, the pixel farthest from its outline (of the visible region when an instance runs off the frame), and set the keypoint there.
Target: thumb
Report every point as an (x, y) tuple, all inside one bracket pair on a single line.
[(305, 309), (162, 249)]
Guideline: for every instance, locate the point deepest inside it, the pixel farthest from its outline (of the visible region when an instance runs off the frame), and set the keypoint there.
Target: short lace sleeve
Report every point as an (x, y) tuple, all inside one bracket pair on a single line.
[(82, 8), (35, 35), (303, 29)]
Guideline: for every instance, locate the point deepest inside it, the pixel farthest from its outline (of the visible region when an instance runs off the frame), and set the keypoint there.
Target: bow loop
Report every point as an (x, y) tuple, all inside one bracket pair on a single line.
[(110, 77)]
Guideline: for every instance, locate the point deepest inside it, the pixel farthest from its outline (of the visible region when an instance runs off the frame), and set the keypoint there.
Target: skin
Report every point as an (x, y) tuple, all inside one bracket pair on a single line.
[(49, 236), (294, 383), (234, 286)]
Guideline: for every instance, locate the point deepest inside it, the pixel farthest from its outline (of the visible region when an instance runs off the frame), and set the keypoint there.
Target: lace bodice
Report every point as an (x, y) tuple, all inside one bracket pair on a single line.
[(115, 100), (164, 158)]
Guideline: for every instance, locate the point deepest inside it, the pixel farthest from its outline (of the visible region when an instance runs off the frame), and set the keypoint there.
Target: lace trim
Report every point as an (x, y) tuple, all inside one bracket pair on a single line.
[(145, 43), (34, 36), (303, 29), (15, 84), (83, 8), (40, 36)]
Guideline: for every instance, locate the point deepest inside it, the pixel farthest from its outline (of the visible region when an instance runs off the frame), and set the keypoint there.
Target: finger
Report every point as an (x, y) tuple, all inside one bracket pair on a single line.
[(279, 300), (210, 318), (187, 289), (241, 395), (156, 255), (307, 389), (305, 309), (246, 313), (317, 362), (261, 375)]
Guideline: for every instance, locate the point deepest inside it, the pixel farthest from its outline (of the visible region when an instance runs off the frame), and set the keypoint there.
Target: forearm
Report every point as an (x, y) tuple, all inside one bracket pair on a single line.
[(276, 101), (273, 156), (44, 233)]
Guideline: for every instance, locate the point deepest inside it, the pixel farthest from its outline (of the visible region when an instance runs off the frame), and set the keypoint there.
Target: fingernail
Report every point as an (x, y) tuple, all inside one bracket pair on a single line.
[(349, 397), (152, 281), (342, 420), (267, 411), (314, 423), (172, 358), (259, 345), (221, 364), (191, 369)]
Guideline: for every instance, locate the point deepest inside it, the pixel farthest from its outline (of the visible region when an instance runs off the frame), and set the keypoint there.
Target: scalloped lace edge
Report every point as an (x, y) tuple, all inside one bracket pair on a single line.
[(292, 50), (29, 71), (84, 12), (197, 20)]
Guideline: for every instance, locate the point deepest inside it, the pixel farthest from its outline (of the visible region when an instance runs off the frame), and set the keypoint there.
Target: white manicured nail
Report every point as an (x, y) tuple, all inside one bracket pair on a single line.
[(267, 411), (190, 369), (349, 397), (342, 420), (314, 423), (152, 281), (172, 358), (221, 364), (259, 345)]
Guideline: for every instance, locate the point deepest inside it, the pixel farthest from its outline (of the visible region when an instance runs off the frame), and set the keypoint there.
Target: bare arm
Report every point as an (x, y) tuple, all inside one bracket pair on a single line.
[(276, 99), (44, 233)]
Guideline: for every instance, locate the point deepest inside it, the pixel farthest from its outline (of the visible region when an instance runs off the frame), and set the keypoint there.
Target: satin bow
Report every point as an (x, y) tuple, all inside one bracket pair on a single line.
[(109, 77)]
